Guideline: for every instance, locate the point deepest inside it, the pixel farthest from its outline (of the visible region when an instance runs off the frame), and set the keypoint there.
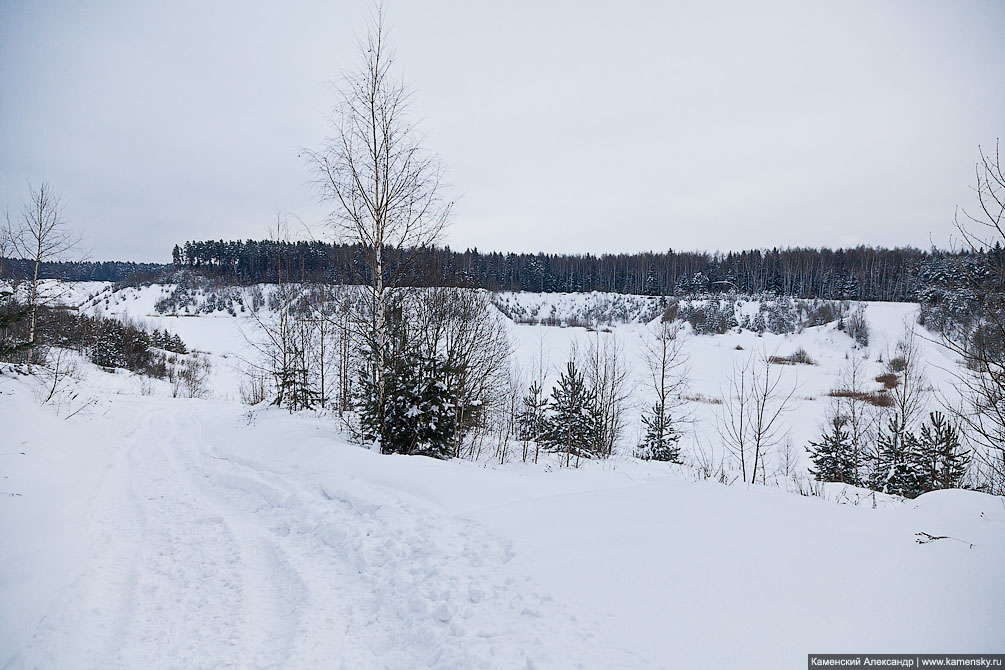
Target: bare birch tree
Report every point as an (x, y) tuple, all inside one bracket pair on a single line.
[(750, 422), (667, 367), (910, 395), (387, 190), (42, 235), (608, 376)]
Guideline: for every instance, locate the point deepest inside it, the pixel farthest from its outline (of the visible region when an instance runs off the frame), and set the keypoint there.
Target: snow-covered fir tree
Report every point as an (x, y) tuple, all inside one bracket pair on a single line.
[(107, 350), (834, 455), (660, 440), (571, 426), (781, 316), (416, 416), (943, 459), (896, 468)]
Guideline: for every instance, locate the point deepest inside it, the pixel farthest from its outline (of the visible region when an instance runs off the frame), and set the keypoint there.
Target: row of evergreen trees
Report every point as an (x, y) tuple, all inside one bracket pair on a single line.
[(902, 462), (116, 271), (108, 342), (418, 412), (571, 420), (862, 273)]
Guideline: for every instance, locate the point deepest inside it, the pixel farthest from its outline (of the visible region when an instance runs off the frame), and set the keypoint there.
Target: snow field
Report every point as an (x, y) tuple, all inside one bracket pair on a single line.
[(158, 532)]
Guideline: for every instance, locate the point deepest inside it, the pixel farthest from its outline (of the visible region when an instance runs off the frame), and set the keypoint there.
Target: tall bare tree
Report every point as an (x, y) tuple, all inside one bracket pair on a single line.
[(667, 366), (750, 422), (608, 375), (980, 342), (857, 416), (387, 190), (6, 243), (41, 235), (910, 395)]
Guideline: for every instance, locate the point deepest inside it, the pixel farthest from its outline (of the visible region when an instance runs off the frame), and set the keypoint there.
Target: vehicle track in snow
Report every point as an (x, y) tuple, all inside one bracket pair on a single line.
[(209, 559)]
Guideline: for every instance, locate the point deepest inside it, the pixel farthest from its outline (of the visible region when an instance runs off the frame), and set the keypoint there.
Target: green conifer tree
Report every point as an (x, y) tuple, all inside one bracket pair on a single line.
[(834, 455), (571, 426)]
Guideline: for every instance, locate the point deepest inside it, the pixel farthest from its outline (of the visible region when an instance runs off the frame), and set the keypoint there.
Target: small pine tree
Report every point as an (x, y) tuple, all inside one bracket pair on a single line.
[(660, 441), (572, 425), (834, 455), (944, 461), (531, 420), (896, 468)]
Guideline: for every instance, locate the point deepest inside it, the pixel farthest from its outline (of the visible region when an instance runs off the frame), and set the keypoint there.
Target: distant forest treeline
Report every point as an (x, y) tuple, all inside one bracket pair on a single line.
[(861, 273), (82, 271)]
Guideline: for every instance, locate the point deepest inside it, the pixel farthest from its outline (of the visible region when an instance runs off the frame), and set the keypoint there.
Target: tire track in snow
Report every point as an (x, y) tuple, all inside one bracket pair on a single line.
[(188, 602), (212, 560), (277, 596), (416, 587)]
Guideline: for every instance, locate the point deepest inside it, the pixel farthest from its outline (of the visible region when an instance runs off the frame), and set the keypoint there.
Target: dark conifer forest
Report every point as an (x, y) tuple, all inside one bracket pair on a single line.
[(861, 273)]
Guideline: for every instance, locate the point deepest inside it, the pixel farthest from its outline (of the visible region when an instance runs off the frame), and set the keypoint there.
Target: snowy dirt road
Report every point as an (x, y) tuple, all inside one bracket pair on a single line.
[(202, 559)]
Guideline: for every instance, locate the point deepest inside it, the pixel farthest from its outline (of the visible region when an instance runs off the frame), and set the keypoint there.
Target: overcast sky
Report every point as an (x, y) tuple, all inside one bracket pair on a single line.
[(566, 126)]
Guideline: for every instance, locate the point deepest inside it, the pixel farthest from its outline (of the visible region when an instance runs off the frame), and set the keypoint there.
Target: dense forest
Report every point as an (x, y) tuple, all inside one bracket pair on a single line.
[(81, 271), (862, 273)]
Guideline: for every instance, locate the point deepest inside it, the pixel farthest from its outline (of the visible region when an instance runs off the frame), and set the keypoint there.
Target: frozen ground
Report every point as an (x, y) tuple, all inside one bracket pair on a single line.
[(149, 531)]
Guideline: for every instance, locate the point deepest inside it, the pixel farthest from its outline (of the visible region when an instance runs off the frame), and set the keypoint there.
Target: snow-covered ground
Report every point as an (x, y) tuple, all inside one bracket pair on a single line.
[(142, 531)]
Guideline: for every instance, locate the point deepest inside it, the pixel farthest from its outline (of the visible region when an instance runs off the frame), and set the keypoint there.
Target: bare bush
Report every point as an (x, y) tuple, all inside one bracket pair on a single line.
[(798, 357)]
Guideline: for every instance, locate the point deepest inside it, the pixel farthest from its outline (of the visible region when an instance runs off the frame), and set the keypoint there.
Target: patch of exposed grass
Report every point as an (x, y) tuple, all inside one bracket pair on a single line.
[(877, 398), (889, 380), (798, 357)]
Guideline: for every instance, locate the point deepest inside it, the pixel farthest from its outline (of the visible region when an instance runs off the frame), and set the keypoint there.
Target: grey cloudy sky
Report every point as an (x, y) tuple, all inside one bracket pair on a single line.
[(566, 126)]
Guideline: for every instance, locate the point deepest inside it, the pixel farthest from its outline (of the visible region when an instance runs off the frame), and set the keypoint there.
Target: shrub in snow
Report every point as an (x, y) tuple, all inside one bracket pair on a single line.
[(857, 327), (798, 357)]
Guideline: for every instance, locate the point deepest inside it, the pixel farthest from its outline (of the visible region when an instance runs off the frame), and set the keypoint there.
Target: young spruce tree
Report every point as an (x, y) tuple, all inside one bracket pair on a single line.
[(572, 425), (660, 441), (943, 460), (834, 455), (417, 405), (897, 469)]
